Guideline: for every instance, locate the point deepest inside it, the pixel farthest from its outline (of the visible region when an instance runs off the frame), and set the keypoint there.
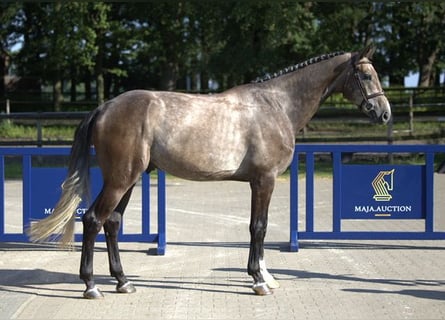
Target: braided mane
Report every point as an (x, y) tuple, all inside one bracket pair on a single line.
[(298, 66)]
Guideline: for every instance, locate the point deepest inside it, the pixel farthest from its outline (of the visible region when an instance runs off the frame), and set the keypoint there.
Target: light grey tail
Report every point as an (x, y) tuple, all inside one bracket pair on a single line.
[(59, 226)]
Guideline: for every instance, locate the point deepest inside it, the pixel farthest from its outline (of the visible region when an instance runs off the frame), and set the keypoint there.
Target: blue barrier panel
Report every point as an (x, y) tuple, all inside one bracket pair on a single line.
[(368, 192), (45, 190), (383, 192), (41, 190)]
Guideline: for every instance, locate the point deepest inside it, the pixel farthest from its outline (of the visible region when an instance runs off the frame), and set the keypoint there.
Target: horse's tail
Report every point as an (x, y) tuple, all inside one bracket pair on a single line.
[(59, 225)]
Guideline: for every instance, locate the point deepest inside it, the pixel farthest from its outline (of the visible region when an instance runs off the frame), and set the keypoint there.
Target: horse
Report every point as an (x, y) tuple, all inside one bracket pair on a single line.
[(246, 133)]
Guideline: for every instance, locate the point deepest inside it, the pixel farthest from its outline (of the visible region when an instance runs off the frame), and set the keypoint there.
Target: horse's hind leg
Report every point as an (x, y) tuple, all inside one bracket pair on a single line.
[(93, 221), (111, 228), (91, 228)]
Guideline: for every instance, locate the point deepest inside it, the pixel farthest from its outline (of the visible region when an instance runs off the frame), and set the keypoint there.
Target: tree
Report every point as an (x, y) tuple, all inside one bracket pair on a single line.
[(62, 41), (184, 44), (395, 60), (413, 34), (431, 22), (98, 16), (165, 42), (342, 26), (8, 38), (261, 37)]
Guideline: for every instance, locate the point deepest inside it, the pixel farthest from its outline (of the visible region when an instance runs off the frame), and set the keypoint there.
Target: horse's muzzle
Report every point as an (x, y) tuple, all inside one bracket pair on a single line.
[(370, 110)]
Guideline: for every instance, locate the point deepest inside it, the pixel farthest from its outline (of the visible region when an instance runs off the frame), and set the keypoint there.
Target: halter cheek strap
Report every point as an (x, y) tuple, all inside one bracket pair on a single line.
[(365, 105)]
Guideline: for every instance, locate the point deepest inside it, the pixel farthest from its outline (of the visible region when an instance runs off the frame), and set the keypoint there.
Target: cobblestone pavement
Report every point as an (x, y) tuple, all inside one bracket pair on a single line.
[(203, 274)]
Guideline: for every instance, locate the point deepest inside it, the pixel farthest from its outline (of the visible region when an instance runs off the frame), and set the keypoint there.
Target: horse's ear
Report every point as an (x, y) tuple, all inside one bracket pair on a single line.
[(367, 52)]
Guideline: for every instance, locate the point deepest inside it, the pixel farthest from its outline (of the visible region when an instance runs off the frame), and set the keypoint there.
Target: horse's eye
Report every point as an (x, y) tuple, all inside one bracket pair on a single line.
[(366, 76)]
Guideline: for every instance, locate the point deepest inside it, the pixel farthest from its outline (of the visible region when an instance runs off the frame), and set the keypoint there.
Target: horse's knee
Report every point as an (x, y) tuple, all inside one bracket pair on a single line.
[(258, 230)]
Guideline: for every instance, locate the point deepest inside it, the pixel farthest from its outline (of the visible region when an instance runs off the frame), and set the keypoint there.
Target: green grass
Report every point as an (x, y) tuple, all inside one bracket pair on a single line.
[(337, 131), (58, 132), (11, 131)]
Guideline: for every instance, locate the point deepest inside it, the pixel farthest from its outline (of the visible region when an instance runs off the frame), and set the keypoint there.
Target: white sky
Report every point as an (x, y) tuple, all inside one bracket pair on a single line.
[(412, 79)]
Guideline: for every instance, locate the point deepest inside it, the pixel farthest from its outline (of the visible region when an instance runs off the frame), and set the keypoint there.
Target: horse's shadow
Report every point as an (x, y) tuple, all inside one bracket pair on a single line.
[(39, 281), (412, 286), (30, 281)]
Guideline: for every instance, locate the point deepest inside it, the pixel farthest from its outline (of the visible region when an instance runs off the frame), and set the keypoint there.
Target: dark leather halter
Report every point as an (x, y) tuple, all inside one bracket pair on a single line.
[(365, 105)]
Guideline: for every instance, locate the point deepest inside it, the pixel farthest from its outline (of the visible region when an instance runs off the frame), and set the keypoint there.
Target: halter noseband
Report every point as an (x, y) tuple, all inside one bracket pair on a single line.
[(365, 105)]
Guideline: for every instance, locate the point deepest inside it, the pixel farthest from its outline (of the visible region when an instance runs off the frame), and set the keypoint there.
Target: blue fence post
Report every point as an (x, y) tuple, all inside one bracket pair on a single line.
[(145, 204), (309, 191), (27, 205), (161, 213), (2, 195), (294, 203), (429, 192), (336, 192)]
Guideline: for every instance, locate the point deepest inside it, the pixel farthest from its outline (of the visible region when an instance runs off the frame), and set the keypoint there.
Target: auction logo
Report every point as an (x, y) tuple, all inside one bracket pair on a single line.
[(383, 183)]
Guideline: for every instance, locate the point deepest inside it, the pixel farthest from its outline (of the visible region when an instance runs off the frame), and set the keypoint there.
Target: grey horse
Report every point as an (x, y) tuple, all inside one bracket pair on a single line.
[(246, 133)]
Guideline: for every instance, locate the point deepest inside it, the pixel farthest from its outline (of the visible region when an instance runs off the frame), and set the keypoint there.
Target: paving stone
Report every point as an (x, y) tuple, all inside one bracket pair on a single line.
[(203, 274)]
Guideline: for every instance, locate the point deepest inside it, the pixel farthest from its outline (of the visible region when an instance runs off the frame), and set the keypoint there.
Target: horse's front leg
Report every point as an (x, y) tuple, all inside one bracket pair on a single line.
[(262, 189)]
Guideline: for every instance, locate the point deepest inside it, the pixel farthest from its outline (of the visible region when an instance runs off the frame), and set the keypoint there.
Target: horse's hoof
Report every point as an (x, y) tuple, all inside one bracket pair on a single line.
[(127, 287), (93, 293), (261, 289), (272, 283), (268, 278)]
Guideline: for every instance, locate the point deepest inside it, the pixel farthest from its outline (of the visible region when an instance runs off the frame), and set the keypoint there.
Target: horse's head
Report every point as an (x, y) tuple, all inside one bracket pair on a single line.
[(362, 87)]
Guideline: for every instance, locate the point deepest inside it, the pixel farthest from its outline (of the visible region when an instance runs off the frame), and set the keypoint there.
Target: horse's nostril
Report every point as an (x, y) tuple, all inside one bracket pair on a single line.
[(385, 116)]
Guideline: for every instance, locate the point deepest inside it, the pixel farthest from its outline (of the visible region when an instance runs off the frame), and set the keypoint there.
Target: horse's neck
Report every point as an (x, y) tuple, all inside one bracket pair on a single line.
[(307, 88)]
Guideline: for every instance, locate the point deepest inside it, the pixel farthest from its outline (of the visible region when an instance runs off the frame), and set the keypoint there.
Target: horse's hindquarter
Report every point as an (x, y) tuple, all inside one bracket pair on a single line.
[(121, 136), (213, 137)]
